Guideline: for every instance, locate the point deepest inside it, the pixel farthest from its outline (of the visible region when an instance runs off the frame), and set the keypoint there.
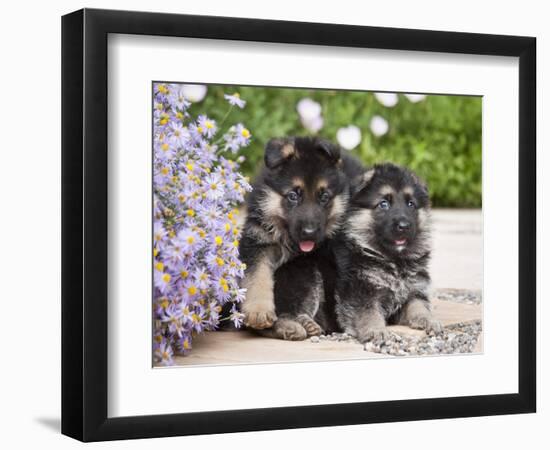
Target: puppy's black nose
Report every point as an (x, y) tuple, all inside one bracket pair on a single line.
[(403, 225)]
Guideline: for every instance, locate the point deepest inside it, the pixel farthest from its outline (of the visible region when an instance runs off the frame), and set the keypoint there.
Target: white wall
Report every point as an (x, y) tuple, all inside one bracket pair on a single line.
[(30, 236)]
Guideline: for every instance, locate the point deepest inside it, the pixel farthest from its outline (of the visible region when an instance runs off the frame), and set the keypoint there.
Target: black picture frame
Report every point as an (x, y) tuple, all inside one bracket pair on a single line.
[(84, 224)]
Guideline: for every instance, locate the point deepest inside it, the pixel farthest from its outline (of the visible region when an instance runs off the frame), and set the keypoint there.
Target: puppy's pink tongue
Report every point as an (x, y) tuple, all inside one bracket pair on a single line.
[(307, 246)]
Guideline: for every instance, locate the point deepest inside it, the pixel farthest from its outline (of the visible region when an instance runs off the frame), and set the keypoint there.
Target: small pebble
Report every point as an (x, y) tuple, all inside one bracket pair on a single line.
[(314, 339)]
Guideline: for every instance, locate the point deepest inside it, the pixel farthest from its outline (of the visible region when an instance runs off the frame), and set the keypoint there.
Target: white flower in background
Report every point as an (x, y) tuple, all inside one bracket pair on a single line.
[(235, 99), (379, 126), (349, 137), (308, 109), (310, 114), (388, 99), (313, 125), (194, 92), (415, 98)]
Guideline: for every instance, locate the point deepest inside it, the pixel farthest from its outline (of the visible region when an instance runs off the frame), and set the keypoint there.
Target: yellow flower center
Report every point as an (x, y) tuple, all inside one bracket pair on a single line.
[(165, 146), (184, 274), (165, 170), (220, 261), (200, 129), (190, 239), (190, 213), (209, 125), (192, 290), (245, 133), (214, 186), (218, 240), (190, 167), (159, 266), (166, 278)]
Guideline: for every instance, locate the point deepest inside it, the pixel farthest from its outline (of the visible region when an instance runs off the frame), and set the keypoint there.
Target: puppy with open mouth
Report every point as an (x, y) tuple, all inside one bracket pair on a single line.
[(382, 255), (297, 202)]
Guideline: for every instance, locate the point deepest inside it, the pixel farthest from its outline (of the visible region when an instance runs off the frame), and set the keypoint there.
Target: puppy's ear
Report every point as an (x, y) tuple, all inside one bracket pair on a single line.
[(277, 151), (330, 150), (421, 186), (360, 182)]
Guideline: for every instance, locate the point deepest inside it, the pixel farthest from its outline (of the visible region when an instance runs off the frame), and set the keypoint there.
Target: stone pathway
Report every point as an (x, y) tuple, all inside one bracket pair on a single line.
[(457, 275)]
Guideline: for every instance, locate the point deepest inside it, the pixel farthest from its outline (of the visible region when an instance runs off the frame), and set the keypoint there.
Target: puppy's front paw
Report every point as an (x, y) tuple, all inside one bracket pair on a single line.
[(426, 323), (375, 334), (289, 330), (259, 318), (312, 328)]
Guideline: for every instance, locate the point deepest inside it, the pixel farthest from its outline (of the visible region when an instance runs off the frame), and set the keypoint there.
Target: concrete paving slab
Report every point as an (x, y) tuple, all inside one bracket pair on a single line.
[(457, 257)]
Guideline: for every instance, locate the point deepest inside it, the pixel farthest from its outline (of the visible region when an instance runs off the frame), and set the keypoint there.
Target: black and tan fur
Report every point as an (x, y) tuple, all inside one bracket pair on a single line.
[(300, 196), (382, 255)]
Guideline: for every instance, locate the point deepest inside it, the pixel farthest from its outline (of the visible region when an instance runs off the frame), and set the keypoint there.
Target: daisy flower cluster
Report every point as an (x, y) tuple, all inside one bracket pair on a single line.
[(195, 230)]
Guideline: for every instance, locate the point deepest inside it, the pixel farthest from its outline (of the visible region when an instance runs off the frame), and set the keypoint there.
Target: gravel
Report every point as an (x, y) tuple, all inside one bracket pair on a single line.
[(460, 337), (459, 296), (456, 338)]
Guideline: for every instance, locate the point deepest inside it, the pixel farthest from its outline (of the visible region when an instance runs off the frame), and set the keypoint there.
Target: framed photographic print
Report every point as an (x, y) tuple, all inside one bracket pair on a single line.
[(266, 224)]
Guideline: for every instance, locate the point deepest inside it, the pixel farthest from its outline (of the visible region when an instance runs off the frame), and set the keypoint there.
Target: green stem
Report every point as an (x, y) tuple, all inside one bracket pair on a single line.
[(226, 116)]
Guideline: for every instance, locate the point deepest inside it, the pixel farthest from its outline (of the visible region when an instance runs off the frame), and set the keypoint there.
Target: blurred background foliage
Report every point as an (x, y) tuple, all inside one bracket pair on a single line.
[(439, 137)]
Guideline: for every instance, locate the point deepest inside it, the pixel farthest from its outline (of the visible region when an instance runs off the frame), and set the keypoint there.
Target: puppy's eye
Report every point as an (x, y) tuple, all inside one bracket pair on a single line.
[(324, 197), (384, 204), (292, 197), (411, 204)]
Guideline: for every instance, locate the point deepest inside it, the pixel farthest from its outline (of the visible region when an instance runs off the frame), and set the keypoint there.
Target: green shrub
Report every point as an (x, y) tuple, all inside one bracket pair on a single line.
[(439, 137)]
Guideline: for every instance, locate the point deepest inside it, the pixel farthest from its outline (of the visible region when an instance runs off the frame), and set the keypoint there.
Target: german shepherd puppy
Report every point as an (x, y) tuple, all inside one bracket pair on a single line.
[(382, 255), (298, 200)]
